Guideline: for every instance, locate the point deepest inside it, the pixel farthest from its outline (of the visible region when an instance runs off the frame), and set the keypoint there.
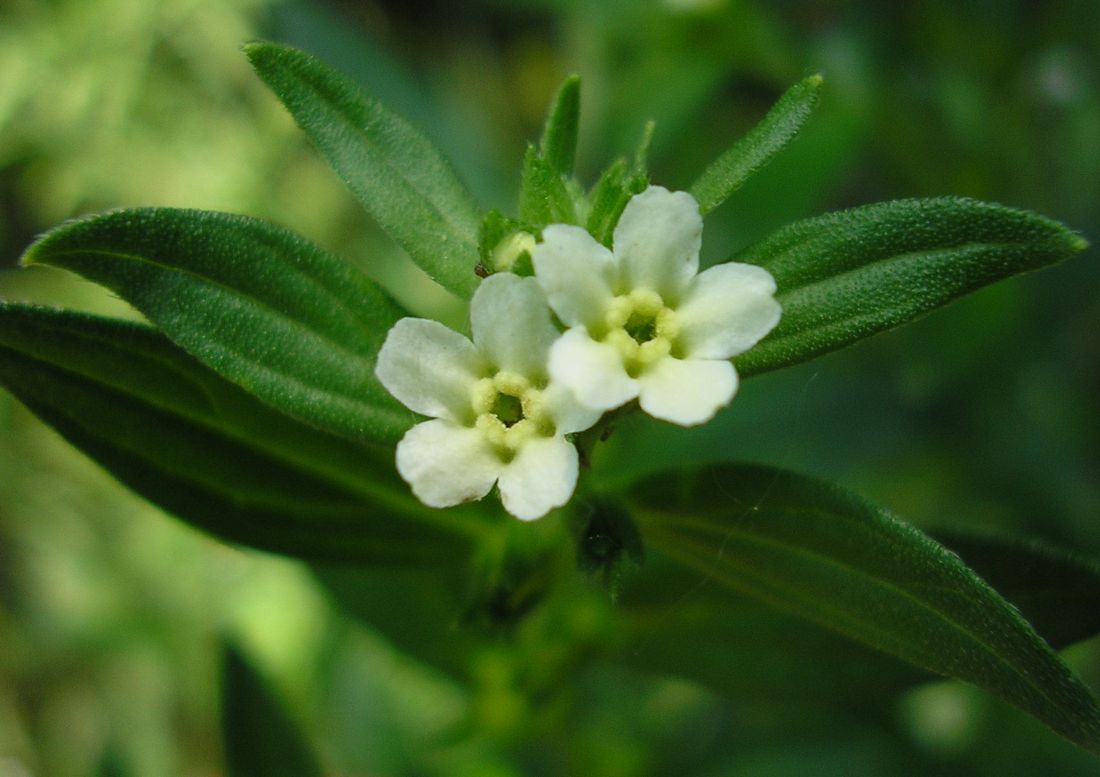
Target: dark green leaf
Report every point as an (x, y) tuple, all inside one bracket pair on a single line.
[(396, 173), (203, 449), (261, 737), (679, 621), (1057, 591), (730, 171), (811, 550), (847, 275), (418, 609), (266, 309), (559, 136), (543, 198)]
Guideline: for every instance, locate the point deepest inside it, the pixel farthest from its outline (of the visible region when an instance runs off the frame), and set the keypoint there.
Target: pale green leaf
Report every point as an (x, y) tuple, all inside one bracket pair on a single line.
[(730, 171), (544, 198), (559, 136), (402, 180)]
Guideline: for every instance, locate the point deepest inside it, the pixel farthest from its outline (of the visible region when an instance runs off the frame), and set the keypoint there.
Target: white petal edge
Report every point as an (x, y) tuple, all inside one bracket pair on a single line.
[(446, 464), (541, 477), (429, 368), (511, 324), (576, 272), (657, 239), (687, 392), (593, 371), (567, 411), (727, 309)]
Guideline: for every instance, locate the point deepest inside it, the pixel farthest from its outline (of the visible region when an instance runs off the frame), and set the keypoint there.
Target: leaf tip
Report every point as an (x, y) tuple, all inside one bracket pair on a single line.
[(816, 80), (1077, 243)]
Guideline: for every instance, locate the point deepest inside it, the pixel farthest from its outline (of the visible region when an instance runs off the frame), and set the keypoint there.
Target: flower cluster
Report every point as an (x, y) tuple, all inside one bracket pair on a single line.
[(641, 322)]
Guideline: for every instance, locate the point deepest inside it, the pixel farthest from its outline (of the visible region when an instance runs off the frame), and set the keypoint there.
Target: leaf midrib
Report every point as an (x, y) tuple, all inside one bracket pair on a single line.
[(656, 520), (254, 301), (349, 122)]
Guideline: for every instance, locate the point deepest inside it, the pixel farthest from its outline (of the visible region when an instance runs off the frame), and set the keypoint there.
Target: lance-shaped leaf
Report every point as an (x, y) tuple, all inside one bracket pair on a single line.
[(847, 275), (198, 446), (814, 551), (260, 736), (269, 311), (559, 137), (543, 198), (730, 171), (1056, 590), (679, 621), (402, 180), (610, 195)]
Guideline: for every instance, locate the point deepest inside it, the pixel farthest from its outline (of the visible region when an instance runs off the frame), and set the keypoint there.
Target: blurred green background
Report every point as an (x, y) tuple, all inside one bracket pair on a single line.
[(983, 415)]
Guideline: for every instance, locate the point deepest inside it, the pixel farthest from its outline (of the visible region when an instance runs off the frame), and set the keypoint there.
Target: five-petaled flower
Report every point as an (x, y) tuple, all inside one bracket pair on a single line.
[(497, 416), (642, 321)]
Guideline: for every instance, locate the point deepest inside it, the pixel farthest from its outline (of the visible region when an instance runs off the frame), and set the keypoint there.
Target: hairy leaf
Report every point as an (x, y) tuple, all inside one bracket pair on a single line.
[(559, 137), (203, 449), (813, 551), (269, 311), (678, 620), (610, 195), (1055, 589), (544, 198), (848, 275), (402, 180), (730, 171)]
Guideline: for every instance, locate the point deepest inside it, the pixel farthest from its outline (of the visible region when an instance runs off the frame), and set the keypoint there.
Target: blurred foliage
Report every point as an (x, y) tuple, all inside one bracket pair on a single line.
[(983, 415)]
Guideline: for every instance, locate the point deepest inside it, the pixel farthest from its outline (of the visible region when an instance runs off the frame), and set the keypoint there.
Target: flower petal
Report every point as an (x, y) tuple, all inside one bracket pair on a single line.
[(541, 477), (657, 241), (511, 324), (577, 274), (687, 391), (593, 371), (727, 310), (447, 464), (568, 413), (429, 368)]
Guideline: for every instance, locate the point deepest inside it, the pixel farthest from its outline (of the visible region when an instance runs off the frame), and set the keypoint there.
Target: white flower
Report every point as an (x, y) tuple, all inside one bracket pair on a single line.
[(643, 321), (497, 418)]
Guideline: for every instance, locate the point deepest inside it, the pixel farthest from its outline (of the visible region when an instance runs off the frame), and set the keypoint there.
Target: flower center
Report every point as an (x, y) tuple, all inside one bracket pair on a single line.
[(641, 328), (509, 411)]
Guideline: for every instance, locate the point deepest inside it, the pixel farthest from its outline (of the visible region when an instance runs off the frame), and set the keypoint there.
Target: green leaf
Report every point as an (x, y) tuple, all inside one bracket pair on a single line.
[(200, 447), (1056, 590), (402, 180), (609, 197), (730, 171), (848, 275), (811, 550), (676, 620), (266, 309), (559, 136), (543, 198), (260, 736)]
